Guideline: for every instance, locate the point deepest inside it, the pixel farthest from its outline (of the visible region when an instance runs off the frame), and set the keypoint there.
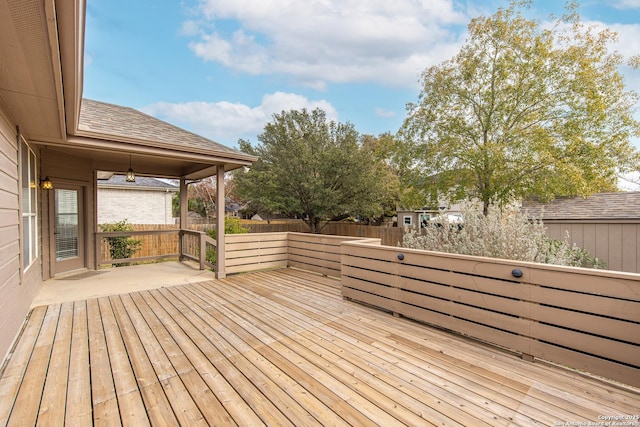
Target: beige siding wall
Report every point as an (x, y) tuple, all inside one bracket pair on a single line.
[(16, 292), (617, 244)]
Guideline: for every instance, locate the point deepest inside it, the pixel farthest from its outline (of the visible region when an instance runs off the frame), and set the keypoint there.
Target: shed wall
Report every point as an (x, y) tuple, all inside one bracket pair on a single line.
[(616, 243)]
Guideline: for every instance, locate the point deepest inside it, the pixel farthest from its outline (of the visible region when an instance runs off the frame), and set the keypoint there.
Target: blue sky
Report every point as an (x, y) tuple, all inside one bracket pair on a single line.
[(222, 68)]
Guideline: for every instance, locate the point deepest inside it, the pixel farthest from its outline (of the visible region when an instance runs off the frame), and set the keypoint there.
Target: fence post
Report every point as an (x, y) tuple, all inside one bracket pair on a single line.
[(203, 250)]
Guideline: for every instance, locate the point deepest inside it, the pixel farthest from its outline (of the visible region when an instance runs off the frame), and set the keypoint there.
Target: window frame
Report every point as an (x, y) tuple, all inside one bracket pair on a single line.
[(28, 190)]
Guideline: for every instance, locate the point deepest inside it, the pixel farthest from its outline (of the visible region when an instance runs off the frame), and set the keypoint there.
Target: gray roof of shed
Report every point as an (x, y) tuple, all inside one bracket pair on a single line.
[(620, 206), (127, 123)]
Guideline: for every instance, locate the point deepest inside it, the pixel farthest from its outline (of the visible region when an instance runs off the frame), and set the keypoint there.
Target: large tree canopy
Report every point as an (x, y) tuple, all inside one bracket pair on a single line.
[(314, 168), (522, 111)]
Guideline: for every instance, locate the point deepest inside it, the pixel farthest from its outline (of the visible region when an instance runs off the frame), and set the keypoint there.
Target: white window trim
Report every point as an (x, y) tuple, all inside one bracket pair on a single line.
[(33, 254), (404, 220)]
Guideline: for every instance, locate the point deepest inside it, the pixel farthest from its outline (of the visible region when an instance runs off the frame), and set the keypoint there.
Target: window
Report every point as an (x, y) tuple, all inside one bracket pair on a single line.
[(29, 189), (424, 219), (406, 220)]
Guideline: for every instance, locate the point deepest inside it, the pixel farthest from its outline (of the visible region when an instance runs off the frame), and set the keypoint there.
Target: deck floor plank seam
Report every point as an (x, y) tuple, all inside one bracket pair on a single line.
[(79, 410)]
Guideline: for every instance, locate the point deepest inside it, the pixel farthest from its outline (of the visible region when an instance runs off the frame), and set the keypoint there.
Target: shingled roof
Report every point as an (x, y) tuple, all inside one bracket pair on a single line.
[(140, 182), (618, 206), (128, 124)]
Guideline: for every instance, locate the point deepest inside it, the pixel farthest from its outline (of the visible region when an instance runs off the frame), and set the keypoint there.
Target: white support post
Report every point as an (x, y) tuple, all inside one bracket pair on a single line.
[(220, 206)]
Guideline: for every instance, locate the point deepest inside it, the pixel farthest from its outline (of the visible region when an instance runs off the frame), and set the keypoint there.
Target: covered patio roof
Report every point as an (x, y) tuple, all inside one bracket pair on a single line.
[(41, 79), (112, 135)]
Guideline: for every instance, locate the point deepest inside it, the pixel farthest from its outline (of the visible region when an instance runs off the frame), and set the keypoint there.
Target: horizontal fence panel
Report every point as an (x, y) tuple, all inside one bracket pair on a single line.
[(596, 326), (599, 282), (252, 261), (591, 344), (247, 246), (587, 322), (587, 363), (317, 265), (233, 255), (245, 268), (491, 335), (251, 252), (495, 303)]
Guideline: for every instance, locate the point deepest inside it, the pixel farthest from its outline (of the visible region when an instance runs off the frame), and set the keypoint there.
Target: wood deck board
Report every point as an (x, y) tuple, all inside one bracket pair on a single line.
[(377, 347), (275, 348)]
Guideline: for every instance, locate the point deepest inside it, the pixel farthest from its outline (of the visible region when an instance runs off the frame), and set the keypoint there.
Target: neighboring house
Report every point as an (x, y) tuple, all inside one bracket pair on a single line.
[(144, 201), (607, 225), (54, 145), (418, 218)]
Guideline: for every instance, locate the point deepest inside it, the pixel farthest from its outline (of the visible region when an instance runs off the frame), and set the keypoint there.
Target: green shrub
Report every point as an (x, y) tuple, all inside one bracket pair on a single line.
[(231, 226), (503, 233), (121, 247)]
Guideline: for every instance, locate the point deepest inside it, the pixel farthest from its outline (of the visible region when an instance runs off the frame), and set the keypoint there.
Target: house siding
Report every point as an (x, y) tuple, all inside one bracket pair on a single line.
[(136, 206), (16, 292)]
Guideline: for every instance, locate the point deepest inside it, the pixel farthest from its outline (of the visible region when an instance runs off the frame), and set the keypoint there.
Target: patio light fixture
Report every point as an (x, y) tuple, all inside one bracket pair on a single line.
[(131, 176), (46, 184)]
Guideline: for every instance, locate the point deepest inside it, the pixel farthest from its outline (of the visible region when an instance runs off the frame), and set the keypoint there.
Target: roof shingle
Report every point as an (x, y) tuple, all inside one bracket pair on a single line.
[(620, 206), (127, 123)]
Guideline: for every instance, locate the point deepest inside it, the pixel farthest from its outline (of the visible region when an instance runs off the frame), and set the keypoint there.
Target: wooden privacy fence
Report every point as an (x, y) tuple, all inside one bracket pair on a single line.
[(586, 319)]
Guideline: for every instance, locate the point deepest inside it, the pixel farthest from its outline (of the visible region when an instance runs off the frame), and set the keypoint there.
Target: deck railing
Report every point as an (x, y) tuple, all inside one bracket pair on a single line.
[(585, 319), (582, 318), (157, 245)]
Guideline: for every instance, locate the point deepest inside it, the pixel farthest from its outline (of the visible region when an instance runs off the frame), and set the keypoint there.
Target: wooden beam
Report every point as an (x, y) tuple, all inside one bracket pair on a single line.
[(184, 209), (220, 205)]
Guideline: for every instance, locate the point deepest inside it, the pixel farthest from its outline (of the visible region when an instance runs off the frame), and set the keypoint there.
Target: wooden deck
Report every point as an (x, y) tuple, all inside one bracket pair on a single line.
[(276, 348)]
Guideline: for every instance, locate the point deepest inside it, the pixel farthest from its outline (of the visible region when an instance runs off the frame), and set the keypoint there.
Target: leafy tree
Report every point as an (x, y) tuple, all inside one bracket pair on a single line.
[(522, 111), (314, 168), (382, 148)]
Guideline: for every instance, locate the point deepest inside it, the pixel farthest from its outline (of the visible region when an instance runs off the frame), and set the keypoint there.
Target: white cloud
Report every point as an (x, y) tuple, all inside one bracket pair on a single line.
[(626, 4), (317, 41), (386, 114), (226, 122)]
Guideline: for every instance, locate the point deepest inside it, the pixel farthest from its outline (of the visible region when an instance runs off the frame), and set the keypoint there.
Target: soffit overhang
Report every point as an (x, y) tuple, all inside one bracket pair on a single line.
[(31, 67)]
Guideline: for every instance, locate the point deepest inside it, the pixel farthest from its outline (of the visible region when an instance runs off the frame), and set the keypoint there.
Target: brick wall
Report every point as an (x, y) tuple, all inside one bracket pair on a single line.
[(136, 206)]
